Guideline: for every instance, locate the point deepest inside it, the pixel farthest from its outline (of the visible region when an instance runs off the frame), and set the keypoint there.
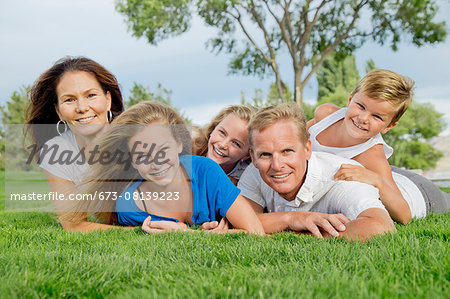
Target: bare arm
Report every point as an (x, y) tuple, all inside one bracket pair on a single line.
[(377, 173), (301, 221), (62, 186), (242, 216), (368, 223), (321, 112)]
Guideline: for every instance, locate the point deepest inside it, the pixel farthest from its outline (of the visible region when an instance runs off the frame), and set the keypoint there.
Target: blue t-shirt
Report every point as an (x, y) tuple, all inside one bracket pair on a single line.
[(212, 194)]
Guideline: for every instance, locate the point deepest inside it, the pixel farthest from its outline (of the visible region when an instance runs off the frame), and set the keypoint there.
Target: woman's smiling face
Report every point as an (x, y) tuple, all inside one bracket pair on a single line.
[(82, 103)]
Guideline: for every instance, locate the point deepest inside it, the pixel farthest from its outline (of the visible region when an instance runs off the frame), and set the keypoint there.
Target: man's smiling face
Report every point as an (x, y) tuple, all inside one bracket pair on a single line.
[(281, 157)]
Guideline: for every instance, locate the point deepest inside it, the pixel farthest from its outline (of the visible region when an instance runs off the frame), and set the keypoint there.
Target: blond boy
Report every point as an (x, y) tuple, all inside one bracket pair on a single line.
[(373, 108)]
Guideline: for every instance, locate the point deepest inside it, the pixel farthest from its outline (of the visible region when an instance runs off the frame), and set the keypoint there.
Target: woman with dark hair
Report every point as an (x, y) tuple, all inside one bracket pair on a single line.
[(70, 105), (45, 104)]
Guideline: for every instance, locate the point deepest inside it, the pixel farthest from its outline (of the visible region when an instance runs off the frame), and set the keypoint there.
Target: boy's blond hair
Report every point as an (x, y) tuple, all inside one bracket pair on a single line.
[(268, 116), (385, 85)]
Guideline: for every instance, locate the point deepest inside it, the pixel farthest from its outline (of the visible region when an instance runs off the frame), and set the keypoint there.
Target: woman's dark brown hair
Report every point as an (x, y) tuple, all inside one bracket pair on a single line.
[(43, 98)]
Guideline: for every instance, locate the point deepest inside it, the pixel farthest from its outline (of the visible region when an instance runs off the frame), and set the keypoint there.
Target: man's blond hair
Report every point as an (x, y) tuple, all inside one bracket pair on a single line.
[(268, 116), (385, 85)]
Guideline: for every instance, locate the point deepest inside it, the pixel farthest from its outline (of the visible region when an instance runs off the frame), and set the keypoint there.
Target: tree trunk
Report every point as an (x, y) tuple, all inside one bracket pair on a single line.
[(298, 89), (279, 83)]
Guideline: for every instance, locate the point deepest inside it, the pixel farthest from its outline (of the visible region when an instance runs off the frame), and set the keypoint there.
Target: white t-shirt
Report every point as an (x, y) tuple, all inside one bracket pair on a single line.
[(61, 157), (411, 194), (319, 193), (408, 189)]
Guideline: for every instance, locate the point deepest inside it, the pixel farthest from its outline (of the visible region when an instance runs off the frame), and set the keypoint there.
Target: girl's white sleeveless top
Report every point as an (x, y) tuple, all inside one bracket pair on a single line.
[(409, 190)]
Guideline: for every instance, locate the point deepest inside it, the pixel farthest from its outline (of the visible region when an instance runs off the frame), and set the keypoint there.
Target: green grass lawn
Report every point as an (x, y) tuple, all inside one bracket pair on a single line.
[(39, 259)]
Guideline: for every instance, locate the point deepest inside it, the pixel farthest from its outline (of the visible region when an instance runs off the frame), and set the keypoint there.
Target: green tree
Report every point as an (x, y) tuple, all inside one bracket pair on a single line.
[(260, 100), (370, 65), (14, 111), (410, 138), (2, 149), (336, 79), (307, 30), (140, 93), (12, 115)]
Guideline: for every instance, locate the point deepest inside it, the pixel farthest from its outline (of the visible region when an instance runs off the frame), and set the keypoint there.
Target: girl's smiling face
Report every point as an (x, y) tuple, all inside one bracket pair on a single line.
[(229, 142), (154, 154), (82, 103)]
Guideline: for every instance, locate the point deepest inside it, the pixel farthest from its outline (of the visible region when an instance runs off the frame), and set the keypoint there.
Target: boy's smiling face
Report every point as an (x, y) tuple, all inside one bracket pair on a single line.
[(366, 117)]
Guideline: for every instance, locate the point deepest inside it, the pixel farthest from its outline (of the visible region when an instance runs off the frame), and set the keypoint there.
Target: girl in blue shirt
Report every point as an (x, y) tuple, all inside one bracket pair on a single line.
[(142, 163)]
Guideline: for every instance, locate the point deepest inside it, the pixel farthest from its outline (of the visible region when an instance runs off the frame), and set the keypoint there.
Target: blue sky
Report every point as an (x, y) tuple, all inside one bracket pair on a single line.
[(36, 33)]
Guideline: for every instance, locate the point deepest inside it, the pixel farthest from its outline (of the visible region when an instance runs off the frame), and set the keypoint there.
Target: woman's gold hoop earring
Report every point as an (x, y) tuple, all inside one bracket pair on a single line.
[(109, 117), (57, 126)]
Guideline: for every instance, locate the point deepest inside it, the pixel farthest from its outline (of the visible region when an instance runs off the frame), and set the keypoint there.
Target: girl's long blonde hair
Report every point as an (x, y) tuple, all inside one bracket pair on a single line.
[(244, 112), (118, 174)]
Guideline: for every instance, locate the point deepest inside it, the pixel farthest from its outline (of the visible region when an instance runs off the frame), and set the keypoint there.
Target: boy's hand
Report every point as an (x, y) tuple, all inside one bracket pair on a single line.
[(350, 172), (152, 227), (331, 224)]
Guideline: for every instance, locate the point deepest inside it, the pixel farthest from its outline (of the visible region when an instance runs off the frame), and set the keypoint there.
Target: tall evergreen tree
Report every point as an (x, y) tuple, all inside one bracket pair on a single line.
[(336, 79), (13, 118), (14, 112)]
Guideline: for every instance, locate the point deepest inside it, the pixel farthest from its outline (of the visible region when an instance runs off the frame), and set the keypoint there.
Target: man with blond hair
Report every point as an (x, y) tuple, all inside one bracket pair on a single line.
[(296, 185)]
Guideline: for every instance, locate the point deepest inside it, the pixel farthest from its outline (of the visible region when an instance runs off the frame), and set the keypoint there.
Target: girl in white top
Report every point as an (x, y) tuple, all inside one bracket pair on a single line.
[(374, 107), (75, 99)]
